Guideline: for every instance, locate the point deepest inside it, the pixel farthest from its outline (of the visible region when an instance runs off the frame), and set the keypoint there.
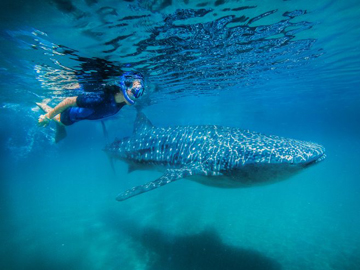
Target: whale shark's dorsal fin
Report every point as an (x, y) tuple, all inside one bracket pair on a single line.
[(169, 176), (141, 123)]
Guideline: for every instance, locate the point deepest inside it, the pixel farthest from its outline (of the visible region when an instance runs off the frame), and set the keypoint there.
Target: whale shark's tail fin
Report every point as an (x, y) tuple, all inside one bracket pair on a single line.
[(141, 123), (111, 160), (170, 176)]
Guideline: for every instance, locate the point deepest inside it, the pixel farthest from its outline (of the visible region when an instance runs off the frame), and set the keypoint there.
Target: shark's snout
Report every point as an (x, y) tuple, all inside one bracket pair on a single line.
[(315, 154)]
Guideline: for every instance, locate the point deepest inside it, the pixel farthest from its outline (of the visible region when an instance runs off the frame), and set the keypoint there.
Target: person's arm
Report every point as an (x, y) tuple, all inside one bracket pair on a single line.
[(62, 106)]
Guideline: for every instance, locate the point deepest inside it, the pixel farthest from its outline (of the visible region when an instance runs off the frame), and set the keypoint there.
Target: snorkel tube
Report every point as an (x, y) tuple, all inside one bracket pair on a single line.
[(126, 96), (125, 80)]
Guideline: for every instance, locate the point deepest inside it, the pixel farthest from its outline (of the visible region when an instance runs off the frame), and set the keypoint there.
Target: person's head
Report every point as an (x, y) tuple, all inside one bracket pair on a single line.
[(132, 86), (112, 89)]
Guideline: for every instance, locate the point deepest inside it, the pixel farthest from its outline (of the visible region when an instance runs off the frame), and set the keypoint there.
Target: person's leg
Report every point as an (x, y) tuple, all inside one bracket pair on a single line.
[(60, 131), (46, 108)]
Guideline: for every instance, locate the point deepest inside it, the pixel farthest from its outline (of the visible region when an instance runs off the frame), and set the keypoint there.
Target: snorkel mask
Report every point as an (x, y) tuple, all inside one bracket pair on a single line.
[(126, 83)]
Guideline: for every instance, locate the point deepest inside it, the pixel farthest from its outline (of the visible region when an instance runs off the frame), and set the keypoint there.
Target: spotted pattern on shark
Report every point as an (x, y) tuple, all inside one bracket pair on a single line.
[(216, 155)]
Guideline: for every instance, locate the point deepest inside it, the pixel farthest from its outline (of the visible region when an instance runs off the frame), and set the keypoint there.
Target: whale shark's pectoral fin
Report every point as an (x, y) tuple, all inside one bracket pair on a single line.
[(170, 175)]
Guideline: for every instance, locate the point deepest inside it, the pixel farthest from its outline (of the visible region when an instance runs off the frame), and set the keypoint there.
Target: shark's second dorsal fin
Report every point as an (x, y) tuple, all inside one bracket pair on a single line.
[(141, 123)]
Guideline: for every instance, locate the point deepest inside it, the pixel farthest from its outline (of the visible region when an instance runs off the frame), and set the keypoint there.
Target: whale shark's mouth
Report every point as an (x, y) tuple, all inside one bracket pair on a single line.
[(316, 160), (321, 158)]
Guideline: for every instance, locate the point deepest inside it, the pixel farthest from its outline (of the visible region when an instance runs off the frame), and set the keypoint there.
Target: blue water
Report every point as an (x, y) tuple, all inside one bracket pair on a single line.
[(288, 68)]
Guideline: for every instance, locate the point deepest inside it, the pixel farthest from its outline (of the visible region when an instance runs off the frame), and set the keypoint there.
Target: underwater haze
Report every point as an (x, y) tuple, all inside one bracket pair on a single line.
[(280, 67)]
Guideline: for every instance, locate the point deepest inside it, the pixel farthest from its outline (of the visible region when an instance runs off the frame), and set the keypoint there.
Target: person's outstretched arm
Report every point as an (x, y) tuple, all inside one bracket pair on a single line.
[(62, 106)]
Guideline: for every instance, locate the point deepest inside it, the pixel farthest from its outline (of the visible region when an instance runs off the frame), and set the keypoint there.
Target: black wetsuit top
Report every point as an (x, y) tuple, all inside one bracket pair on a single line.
[(92, 107)]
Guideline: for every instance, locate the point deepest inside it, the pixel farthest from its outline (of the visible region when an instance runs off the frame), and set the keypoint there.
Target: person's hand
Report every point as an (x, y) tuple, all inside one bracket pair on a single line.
[(44, 120)]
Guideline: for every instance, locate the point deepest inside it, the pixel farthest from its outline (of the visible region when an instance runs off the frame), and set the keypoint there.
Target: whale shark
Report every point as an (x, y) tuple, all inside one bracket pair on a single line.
[(218, 156)]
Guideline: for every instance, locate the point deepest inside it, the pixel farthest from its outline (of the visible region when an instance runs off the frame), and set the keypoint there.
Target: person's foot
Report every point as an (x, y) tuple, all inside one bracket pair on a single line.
[(46, 108), (43, 120), (41, 105), (57, 119)]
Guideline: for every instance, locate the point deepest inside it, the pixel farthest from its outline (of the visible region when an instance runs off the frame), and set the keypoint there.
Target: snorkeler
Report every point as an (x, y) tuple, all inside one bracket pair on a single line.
[(93, 106)]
